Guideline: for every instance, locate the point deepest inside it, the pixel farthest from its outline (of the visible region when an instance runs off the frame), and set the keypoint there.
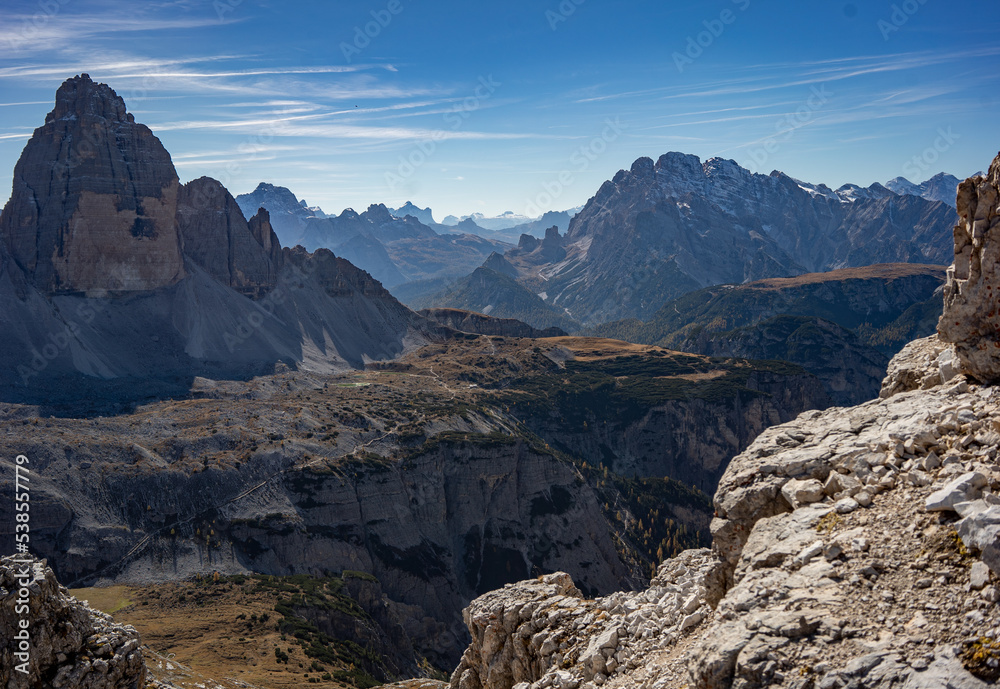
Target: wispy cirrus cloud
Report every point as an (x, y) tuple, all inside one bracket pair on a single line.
[(40, 32), (300, 126), (772, 76)]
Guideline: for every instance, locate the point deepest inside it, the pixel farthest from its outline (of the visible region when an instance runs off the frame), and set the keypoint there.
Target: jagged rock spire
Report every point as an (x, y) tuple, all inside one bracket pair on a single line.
[(971, 318), (94, 199)]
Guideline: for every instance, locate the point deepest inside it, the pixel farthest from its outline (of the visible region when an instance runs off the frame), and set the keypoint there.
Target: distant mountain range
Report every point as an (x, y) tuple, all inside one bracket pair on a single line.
[(492, 292), (941, 187), (504, 221), (509, 226), (665, 228), (394, 249)]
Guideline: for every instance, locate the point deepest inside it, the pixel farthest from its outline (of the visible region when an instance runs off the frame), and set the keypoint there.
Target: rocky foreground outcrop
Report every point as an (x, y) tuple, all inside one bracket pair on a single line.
[(851, 548), (835, 570), (69, 645), (971, 318)]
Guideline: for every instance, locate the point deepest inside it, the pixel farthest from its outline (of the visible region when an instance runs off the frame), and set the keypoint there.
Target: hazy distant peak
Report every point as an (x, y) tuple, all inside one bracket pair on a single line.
[(424, 215), (941, 187)]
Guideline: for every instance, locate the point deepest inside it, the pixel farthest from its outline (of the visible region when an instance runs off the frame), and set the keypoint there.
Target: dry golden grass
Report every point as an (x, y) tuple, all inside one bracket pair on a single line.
[(193, 635), (597, 348), (885, 271), (109, 600), (709, 375)]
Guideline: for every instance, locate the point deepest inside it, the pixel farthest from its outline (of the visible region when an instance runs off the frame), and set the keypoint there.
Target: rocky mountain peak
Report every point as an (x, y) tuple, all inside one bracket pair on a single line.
[(725, 167), (424, 215), (378, 214), (497, 262), (93, 203), (81, 96), (642, 166), (940, 187), (273, 193), (216, 236), (684, 165)]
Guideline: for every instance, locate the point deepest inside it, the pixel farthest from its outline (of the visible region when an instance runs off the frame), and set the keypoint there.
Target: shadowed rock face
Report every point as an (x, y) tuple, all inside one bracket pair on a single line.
[(117, 283), (660, 230), (94, 199), (219, 239), (971, 316)]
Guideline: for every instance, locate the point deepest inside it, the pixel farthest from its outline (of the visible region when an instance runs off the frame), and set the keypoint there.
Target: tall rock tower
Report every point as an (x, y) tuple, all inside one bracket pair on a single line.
[(971, 316), (94, 202)]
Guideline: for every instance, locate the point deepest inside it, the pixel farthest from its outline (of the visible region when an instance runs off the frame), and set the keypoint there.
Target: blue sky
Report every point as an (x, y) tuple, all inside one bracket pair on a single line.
[(517, 105)]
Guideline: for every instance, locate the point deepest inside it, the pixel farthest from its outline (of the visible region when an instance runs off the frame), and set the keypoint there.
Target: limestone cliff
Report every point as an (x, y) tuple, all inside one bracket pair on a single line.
[(971, 319), (453, 521), (94, 199), (117, 284), (69, 645), (662, 229), (217, 237), (852, 547)]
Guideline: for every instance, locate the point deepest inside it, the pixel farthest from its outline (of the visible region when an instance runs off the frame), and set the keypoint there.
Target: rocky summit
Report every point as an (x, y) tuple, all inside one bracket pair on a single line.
[(94, 201), (120, 284), (661, 229), (853, 547)]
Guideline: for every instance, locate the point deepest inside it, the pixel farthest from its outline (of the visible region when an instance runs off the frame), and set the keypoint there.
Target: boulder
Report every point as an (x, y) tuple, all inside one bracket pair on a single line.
[(962, 489), (798, 492), (922, 364), (980, 531)]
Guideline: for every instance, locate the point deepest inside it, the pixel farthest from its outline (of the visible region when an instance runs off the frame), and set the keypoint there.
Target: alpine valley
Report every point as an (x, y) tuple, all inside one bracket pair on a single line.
[(615, 446)]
